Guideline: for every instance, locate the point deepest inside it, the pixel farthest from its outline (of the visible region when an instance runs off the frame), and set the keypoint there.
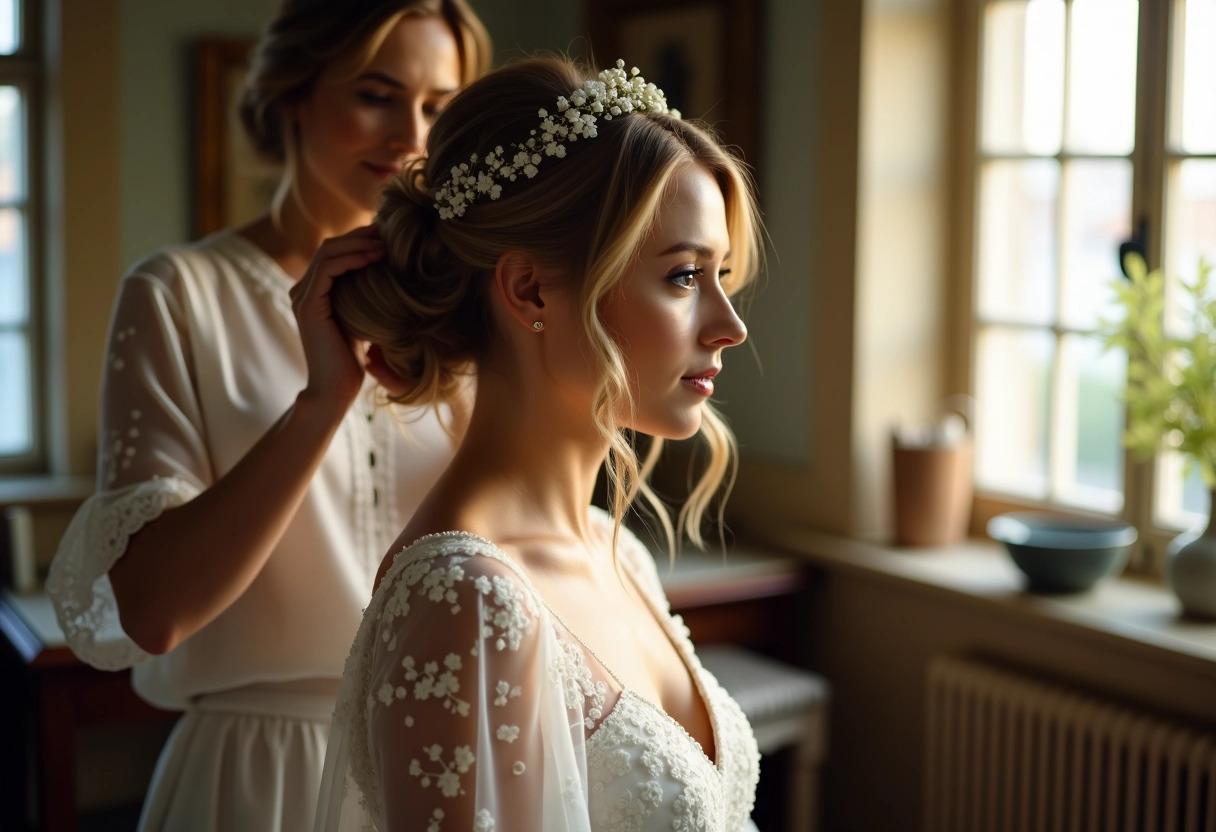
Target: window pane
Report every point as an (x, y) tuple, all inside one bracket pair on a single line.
[(14, 287), (1090, 421), (1023, 76), (1012, 397), (1182, 498), (1191, 233), (10, 28), (1017, 247), (12, 145), (1102, 76), (1193, 127), (1097, 207), (16, 426)]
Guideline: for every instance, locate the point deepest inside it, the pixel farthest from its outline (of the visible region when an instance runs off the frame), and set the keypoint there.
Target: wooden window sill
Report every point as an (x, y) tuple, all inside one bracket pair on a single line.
[(1119, 613)]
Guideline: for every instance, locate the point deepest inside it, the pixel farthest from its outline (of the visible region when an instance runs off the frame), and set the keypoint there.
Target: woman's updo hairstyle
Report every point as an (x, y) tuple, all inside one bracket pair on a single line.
[(306, 37), (427, 302)]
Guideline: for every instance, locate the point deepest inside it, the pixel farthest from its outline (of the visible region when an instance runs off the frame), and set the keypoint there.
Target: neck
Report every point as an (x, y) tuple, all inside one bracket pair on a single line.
[(526, 468), (294, 236)]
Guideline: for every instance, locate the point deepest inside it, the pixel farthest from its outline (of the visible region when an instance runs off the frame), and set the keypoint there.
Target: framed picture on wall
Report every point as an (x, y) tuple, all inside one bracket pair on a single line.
[(232, 184), (704, 54)]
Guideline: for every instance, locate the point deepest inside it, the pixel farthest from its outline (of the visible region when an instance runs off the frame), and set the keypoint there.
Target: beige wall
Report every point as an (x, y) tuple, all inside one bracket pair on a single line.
[(84, 220)]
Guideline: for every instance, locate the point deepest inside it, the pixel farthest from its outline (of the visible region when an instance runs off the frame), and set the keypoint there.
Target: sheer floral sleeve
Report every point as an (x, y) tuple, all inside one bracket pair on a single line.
[(452, 711), (152, 455)]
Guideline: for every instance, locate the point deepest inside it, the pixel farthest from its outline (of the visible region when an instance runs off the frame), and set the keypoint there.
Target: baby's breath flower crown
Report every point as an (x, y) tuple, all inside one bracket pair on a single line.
[(616, 93)]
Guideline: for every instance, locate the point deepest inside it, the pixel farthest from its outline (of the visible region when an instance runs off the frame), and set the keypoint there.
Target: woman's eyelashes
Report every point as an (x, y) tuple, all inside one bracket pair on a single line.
[(686, 278), (375, 99)]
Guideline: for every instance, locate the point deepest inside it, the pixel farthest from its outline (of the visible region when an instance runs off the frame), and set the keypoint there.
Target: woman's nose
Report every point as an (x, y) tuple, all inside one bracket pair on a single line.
[(725, 328), (408, 136)]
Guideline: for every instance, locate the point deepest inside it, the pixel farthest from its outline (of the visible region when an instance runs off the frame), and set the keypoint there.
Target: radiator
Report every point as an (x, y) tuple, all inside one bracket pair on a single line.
[(1009, 753)]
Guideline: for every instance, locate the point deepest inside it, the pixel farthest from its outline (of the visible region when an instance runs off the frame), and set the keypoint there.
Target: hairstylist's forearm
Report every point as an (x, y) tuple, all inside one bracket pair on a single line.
[(183, 569)]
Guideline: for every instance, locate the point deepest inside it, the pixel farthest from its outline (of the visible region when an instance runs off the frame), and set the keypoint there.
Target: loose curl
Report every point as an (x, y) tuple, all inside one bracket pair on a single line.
[(427, 304)]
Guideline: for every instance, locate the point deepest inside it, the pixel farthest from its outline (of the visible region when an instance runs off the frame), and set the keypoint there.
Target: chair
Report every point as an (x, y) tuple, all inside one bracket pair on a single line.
[(787, 707)]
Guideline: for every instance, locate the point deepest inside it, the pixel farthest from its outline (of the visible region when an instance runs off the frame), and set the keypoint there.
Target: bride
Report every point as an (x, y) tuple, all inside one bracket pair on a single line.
[(576, 245)]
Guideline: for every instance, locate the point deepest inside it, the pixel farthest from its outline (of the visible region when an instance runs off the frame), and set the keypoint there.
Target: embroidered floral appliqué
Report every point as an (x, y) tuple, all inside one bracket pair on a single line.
[(447, 776)]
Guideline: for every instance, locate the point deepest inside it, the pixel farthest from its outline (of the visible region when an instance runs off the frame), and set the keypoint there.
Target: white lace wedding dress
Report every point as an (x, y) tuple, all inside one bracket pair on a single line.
[(468, 704)]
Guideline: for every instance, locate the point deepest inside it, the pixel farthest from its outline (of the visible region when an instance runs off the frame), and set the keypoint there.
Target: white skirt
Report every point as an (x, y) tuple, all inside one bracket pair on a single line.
[(248, 760)]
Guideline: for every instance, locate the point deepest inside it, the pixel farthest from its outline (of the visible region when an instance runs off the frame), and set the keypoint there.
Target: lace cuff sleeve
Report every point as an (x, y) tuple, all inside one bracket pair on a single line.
[(152, 456), (79, 583)]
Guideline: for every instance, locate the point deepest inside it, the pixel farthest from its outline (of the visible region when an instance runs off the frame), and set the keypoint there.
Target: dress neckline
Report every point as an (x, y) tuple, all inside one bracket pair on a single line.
[(663, 620), (260, 263)]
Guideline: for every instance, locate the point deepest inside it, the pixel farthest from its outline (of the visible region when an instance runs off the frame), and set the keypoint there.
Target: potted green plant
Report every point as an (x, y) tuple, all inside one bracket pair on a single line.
[(1171, 404)]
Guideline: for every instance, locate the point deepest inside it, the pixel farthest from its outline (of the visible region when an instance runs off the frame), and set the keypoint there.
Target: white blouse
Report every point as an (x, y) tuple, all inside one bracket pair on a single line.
[(204, 355), (468, 704)]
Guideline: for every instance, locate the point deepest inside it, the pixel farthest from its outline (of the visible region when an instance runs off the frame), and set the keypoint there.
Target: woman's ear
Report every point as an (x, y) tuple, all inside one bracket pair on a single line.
[(517, 281)]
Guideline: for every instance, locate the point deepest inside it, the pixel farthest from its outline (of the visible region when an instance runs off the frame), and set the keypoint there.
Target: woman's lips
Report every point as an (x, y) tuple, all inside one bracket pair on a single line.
[(702, 383), (382, 171)]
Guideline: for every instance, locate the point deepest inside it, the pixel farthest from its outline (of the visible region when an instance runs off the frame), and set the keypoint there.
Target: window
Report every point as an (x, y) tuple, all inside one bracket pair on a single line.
[(21, 405), (1095, 124)]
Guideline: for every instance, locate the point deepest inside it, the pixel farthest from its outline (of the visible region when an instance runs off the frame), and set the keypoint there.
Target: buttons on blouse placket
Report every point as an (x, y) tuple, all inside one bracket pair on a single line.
[(371, 464)]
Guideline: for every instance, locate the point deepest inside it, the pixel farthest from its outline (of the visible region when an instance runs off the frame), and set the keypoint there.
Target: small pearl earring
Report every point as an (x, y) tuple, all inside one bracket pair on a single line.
[(538, 325)]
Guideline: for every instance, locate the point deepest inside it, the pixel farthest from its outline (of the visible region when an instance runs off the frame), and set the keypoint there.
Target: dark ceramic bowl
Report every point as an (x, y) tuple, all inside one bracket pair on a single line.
[(1063, 554)]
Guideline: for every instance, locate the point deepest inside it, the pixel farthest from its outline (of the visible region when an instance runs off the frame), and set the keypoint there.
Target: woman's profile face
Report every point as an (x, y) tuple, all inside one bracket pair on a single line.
[(670, 315), (355, 133)]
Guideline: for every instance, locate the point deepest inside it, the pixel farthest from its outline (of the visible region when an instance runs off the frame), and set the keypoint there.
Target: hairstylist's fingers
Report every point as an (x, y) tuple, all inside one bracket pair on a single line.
[(323, 277), (339, 246), (369, 230), (337, 260), (394, 384)]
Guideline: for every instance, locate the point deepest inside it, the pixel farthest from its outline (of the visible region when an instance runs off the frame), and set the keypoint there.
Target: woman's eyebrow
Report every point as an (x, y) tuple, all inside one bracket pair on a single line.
[(699, 249), (382, 78)]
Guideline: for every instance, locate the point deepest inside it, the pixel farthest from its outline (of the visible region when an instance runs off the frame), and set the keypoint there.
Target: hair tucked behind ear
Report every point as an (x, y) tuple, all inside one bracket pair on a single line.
[(423, 306), (427, 302)]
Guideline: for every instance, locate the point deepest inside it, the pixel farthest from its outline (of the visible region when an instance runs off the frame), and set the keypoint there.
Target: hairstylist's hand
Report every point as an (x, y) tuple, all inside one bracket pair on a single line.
[(374, 363), (335, 369)]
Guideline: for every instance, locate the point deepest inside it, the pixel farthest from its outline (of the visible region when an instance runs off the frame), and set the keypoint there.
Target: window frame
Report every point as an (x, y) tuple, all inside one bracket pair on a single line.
[(26, 69), (1149, 158)]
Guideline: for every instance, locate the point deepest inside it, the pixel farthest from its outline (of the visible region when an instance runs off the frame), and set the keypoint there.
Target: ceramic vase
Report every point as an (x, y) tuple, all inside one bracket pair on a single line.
[(1191, 568)]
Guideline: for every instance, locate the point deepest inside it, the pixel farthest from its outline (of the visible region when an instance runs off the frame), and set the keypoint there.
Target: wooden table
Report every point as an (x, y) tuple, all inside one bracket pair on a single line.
[(751, 598), (48, 696)]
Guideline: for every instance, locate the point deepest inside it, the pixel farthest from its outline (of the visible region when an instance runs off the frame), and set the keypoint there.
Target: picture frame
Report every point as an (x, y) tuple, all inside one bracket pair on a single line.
[(232, 184), (704, 55)]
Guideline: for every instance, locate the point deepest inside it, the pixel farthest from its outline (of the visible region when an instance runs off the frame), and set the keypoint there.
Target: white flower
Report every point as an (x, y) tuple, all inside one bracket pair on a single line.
[(613, 93), (508, 733), (483, 822), (463, 755), (449, 784)]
